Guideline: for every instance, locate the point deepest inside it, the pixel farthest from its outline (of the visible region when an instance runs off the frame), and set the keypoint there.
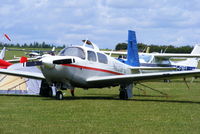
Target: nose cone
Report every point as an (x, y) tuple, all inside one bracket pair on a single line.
[(48, 62)]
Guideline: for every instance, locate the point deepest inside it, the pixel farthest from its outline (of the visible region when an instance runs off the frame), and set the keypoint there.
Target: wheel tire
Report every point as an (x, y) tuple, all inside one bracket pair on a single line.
[(59, 95), (123, 95)]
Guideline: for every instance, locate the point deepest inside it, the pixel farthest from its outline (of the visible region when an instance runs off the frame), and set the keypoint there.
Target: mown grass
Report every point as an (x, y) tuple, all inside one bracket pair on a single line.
[(100, 111), (11, 54)]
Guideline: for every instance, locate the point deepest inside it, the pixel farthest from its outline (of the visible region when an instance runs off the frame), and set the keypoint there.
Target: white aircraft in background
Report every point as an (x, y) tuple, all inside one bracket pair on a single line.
[(173, 60), (35, 53), (86, 67), (163, 59)]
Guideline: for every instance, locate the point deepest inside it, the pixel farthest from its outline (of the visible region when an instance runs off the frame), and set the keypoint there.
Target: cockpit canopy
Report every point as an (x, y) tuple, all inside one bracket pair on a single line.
[(90, 55), (73, 51), (145, 57)]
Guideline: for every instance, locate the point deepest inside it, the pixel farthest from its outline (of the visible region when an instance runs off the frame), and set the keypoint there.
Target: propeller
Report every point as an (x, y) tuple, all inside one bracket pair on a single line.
[(64, 61), (50, 63)]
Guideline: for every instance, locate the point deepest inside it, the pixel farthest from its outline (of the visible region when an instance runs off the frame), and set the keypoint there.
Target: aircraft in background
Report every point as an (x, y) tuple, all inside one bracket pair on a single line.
[(173, 60), (35, 53), (161, 59)]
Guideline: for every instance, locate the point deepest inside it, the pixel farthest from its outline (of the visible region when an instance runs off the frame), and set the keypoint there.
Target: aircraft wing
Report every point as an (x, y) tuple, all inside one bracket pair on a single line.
[(18, 59), (33, 75), (115, 52), (168, 55), (137, 78), (160, 55)]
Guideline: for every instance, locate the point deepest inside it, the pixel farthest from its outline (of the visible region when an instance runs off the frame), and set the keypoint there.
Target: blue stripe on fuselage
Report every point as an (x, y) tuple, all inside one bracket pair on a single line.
[(178, 68)]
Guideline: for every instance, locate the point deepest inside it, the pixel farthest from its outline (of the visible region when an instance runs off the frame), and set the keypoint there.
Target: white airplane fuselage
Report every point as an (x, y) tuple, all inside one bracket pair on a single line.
[(75, 73)]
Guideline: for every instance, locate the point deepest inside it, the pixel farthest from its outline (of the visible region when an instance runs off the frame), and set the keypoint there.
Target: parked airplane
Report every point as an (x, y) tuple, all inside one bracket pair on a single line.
[(172, 60), (6, 63), (86, 67), (33, 54), (161, 59)]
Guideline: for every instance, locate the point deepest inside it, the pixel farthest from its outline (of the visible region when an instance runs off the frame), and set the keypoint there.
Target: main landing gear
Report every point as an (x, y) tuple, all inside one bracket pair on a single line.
[(125, 91), (45, 90), (59, 95)]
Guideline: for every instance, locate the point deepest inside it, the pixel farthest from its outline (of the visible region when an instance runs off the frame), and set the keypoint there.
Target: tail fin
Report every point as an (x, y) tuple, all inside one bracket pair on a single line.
[(2, 54), (192, 62), (196, 49), (148, 50), (132, 55), (53, 49)]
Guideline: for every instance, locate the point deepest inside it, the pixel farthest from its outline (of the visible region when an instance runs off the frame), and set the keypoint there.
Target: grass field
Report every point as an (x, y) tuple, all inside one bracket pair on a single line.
[(11, 54), (100, 111)]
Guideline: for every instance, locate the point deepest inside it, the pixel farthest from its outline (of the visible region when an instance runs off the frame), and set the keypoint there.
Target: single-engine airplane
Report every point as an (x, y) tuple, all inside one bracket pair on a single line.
[(88, 67)]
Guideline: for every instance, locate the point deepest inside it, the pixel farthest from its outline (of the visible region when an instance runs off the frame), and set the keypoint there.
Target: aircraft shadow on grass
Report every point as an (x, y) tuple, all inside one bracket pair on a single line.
[(114, 97)]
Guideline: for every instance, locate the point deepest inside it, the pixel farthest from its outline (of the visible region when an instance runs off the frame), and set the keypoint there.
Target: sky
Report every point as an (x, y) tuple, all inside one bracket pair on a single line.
[(104, 22)]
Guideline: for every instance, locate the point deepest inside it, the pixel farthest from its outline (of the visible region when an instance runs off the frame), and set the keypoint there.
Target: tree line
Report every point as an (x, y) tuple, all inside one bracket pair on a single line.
[(157, 48), (31, 45), (120, 46)]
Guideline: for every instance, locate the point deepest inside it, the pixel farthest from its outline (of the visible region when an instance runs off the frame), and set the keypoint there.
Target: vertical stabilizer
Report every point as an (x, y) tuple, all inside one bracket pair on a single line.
[(194, 61), (191, 62), (196, 49), (2, 54), (132, 55)]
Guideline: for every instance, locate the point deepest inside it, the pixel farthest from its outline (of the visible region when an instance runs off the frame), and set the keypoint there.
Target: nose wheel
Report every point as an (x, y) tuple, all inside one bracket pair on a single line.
[(59, 95)]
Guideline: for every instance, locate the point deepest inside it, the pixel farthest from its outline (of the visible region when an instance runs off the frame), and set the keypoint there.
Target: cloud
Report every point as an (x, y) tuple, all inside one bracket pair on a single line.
[(104, 21)]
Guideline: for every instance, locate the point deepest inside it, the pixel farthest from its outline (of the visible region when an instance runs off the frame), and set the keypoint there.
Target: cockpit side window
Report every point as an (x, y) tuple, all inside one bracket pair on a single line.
[(102, 58), (92, 56), (73, 51)]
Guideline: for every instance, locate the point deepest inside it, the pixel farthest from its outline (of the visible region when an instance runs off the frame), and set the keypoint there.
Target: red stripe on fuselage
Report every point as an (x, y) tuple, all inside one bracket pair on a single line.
[(91, 68)]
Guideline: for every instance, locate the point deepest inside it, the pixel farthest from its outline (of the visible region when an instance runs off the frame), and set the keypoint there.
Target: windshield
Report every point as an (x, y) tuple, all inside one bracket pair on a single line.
[(73, 51), (146, 58)]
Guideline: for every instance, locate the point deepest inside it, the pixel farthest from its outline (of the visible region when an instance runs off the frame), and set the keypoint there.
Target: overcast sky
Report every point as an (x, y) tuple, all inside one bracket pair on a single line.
[(105, 22)]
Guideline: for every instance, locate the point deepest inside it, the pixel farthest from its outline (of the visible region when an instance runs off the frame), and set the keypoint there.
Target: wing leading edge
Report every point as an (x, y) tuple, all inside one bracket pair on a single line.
[(33, 75), (136, 78)]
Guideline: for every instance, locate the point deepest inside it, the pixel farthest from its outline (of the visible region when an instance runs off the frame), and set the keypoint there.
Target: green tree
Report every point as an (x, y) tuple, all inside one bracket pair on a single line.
[(121, 46)]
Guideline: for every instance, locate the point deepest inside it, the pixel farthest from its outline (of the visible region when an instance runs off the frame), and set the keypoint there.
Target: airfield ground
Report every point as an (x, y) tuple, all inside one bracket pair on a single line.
[(100, 111), (97, 111)]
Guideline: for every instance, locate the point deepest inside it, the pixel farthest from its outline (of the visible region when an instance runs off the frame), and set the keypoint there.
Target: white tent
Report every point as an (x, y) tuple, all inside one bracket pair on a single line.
[(19, 85)]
